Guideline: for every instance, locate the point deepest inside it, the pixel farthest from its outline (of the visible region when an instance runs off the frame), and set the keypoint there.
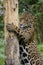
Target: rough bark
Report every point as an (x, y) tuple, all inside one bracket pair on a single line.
[(11, 41)]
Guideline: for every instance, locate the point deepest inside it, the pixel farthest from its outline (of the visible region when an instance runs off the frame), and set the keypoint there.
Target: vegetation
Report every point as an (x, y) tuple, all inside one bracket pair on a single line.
[(36, 8)]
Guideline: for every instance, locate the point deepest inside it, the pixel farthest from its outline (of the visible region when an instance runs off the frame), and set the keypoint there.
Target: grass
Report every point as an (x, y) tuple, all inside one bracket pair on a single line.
[(40, 46), (2, 61), (2, 56)]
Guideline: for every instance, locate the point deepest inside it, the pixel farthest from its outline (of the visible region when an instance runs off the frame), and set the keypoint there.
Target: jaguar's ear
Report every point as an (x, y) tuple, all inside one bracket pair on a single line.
[(33, 17)]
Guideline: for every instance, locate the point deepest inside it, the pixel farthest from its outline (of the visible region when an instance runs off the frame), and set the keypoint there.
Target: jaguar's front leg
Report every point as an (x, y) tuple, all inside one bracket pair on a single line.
[(14, 28)]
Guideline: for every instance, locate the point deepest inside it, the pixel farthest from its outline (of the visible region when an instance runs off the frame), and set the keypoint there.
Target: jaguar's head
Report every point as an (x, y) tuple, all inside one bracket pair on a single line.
[(27, 19)]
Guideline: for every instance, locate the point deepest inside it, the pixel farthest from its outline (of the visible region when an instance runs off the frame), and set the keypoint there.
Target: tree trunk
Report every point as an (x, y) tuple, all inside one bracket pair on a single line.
[(11, 41)]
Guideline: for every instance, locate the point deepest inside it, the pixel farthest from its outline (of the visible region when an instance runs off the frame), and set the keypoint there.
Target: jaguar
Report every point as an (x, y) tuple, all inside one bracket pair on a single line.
[(29, 53)]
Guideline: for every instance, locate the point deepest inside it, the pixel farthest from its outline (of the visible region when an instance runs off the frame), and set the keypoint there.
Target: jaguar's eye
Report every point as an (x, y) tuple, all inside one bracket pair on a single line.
[(29, 26), (21, 24)]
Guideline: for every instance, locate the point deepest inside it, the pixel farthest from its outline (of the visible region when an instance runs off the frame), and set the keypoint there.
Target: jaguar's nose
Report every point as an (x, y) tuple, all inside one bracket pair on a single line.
[(22, 26)]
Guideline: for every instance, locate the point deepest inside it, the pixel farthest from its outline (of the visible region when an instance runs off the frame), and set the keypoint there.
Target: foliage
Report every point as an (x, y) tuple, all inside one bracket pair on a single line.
[(26, 4), (2, 56), (39, 27), (37, 8), (40, 46), (1, 21)]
